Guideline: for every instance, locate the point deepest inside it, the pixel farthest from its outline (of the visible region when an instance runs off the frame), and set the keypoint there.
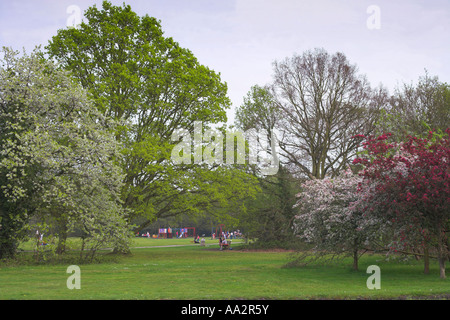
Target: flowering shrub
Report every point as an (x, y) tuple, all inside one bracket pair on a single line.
[(407, 185), (58, 159), (330, 219)]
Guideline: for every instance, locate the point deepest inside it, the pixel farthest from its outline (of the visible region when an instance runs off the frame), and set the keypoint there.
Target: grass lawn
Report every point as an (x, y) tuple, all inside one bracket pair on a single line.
[(195, 273)]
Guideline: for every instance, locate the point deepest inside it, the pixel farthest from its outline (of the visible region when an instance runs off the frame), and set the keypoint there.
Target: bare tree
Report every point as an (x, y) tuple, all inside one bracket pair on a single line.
[(416, 109), (322, 102)]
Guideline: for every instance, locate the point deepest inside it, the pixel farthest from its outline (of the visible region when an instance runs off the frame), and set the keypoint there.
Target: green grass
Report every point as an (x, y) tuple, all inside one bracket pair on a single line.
[(194, 272)]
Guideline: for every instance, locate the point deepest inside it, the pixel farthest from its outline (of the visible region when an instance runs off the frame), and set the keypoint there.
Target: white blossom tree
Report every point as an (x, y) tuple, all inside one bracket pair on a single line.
[(57, 156), (330, 220)]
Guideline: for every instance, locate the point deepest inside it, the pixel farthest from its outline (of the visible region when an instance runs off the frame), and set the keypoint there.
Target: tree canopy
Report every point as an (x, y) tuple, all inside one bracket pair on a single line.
[(316, 102), (58, 155), (136, 75), (409, 188)]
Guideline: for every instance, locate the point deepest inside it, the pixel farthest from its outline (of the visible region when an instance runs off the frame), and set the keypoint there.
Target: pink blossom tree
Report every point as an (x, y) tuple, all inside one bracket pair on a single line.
[(409, 189), (330, 219)]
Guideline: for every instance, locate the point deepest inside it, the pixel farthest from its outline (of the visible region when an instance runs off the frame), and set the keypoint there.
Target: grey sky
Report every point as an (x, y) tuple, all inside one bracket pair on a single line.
[(241, 38)]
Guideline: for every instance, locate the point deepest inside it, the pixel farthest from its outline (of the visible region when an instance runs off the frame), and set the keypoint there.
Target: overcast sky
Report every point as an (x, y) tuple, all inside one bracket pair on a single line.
[(390, 41)]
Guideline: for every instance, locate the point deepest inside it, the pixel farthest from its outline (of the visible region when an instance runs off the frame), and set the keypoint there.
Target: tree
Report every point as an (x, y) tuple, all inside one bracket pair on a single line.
[(57, 159), (258, 111), (417, 109), (410, 189), (138, 76), (269, 216), (321, 102), (329, 218)]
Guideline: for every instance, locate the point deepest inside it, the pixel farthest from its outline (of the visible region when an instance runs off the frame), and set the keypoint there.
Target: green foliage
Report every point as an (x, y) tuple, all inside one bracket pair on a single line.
[(269, 215), (153, 86), (258, 111), (57, 160), (416, 109), (135, 73)]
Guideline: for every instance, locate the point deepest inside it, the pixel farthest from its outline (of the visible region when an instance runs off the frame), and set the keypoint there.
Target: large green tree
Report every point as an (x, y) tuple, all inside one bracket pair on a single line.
[(153, 86)]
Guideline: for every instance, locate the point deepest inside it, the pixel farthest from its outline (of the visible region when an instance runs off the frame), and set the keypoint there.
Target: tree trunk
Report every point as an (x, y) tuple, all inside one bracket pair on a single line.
[(446, 244), (82, 248), (442, 266), (442, 253), (426, 260), (355, 260), (442, 250), (37, 246), (62, 240)]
